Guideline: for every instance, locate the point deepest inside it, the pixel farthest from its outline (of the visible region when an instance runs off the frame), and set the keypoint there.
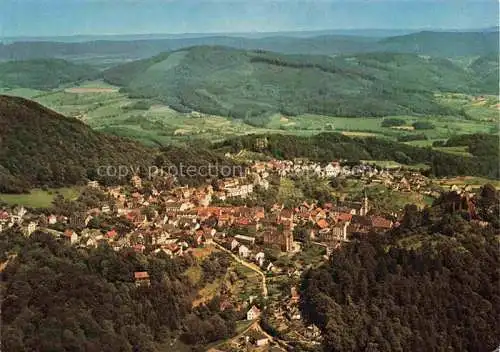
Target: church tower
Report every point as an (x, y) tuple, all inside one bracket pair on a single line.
[(365, 207)]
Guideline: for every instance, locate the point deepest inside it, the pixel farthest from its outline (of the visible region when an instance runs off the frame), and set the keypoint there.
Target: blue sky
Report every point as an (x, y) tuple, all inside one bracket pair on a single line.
[(92, 17)]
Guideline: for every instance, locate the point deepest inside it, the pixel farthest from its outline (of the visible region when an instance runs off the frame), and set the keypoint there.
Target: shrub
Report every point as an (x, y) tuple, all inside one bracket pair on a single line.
[(423, 125), (392, 122)]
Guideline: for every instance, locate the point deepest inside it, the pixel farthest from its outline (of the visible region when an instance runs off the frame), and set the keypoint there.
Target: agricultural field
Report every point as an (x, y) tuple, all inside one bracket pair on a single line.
[(39, 198), (474, 182), (104, 107)]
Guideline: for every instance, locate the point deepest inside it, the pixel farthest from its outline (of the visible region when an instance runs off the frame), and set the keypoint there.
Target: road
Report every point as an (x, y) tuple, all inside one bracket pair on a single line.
[(249, 266)]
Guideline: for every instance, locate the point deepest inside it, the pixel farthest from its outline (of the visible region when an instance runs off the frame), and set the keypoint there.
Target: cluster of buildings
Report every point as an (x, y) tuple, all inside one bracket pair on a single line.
[(172, 221)]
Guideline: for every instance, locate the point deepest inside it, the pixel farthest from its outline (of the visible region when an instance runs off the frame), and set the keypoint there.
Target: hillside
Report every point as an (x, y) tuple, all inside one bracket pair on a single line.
[(43, 74), (252, 84), (429, 285), (444, 44), (40, 147), (94, 50), (487, 69)]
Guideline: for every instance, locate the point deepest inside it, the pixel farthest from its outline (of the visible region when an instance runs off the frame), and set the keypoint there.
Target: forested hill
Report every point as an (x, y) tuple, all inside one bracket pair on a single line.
[(43, 74), (430, 285), (40, 147), (252, 84), (444, 44)]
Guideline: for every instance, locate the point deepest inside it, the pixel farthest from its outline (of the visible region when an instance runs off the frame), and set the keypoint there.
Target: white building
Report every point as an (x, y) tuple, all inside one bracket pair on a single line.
[(243, 251), (253, 313)]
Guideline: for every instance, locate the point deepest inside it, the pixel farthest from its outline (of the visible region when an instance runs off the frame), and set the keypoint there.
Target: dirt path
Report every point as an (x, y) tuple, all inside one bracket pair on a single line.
[(5, 263)]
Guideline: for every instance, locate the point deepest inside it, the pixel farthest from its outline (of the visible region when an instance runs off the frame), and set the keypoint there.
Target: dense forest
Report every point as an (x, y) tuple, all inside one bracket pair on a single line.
[(60, 298), (251, 85), (332, 146), (42, 148), (479, 144), (432, 284), (43, 74)]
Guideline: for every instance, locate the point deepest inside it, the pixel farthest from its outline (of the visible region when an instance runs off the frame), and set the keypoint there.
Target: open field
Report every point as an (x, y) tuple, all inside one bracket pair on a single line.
[(90, 90), (38, 198), (390, 164)]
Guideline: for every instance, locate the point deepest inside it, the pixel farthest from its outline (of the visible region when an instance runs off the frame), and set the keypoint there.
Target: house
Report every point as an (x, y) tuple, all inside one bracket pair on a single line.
[(339, 231), (243, 251), (141, 278), (322, 224), (312, 332), (208, 236), (77, 220), (136, 181), (31, 228), (87, 219), (342, 217), (4, 217), (279, 239), (257, 338), (71, 236), (111, 235), (259, 258), (234, 244), (360, 225), (293, 313), (380, 223), (93, 184), (245, 239), (253, 313), (52, 219), (139, 248), (105, 209), (286, 215)]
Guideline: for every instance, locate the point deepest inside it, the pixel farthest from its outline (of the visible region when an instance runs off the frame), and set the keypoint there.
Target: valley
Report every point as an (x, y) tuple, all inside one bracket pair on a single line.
[(263, 193), (104, 108)]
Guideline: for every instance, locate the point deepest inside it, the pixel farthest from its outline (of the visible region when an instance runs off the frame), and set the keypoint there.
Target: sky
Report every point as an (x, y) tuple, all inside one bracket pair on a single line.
[(99, 17)]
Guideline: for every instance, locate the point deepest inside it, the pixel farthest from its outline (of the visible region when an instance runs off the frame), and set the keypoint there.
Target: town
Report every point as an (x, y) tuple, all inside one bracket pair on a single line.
[(274, 242)]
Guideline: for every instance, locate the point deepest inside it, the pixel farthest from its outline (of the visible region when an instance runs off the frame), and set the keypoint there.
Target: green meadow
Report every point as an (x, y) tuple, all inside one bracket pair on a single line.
[(39, 198)]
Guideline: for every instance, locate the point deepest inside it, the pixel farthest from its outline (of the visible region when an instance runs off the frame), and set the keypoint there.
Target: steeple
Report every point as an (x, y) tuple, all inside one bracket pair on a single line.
[(365, 203)]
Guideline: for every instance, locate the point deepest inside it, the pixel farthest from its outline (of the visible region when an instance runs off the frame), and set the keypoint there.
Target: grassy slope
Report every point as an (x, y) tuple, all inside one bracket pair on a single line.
[(38, 198)]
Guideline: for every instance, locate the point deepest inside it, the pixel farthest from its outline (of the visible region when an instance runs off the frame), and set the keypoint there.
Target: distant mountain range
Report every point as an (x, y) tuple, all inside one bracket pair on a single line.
[(444, 44), (367, 32)]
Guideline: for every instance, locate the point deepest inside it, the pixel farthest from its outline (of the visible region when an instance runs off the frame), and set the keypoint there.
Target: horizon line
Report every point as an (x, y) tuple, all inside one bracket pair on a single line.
[(417, 29)]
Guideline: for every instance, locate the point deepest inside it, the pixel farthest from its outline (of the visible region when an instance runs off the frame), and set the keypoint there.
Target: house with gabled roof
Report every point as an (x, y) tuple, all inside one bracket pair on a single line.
[(253, 313), (141, 278)]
